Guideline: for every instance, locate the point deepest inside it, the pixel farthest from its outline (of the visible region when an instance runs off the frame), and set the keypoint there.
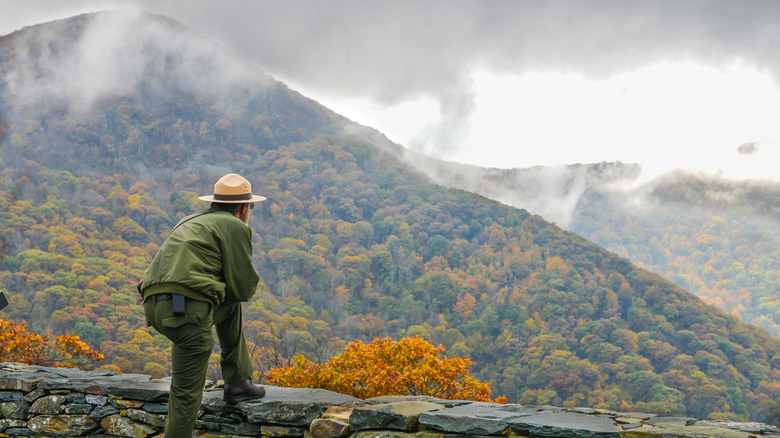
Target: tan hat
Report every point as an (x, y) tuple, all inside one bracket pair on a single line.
[(232, 189)]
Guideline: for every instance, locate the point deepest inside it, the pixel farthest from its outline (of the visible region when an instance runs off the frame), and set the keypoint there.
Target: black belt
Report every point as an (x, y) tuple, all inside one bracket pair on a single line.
[(178, 302)]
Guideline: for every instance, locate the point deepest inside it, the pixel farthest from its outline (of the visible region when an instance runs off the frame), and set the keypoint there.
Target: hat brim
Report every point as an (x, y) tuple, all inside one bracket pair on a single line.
[(210, 198)]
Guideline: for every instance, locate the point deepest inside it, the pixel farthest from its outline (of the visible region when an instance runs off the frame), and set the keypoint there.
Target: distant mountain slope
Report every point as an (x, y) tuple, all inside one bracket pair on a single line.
[(352, 243), (717, 238)]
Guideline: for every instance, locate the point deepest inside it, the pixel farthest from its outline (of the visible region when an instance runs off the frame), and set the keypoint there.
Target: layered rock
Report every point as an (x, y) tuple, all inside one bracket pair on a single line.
[(60, 402)]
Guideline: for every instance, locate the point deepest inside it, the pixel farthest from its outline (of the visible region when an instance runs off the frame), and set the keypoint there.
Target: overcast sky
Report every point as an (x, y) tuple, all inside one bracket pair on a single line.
[(514, 83)]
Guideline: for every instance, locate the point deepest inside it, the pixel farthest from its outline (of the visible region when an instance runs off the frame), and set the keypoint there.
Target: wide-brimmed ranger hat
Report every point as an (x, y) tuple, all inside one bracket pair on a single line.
[(232, 189)]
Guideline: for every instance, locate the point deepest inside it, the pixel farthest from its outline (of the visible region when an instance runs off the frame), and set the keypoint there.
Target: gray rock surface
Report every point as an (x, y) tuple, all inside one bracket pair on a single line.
[(401, 415), (49, 405), (55, 402), (15, 409), (754, 428), (657, 420), (471, 419), (681, 430), (420, 398), (280, 406), (61, 425), (329, 428), (566, 425)]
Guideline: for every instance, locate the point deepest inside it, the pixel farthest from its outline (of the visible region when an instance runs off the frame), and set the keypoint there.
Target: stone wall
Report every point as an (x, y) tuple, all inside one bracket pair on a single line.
[(57, 402)]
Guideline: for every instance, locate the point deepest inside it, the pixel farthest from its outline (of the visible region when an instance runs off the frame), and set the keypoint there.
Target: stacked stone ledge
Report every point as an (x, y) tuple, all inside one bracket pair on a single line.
[(60, 402)]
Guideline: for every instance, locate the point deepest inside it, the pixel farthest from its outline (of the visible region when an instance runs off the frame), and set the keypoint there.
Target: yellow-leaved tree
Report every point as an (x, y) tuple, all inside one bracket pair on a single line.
[(410, 366), (17, 344)]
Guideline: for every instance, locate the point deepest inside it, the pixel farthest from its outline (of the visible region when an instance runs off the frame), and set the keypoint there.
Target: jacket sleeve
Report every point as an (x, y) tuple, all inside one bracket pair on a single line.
[(241, 278)]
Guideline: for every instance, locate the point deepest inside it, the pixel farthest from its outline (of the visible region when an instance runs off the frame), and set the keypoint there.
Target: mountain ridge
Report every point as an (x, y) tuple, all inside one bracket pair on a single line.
[(686, 226)]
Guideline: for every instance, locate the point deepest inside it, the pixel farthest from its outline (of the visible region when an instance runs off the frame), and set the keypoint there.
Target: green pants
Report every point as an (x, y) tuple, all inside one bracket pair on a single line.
[(193, 342)]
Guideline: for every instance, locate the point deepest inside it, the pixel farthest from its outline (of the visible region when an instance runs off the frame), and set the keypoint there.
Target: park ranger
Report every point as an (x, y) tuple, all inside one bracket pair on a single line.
[(196, 281)]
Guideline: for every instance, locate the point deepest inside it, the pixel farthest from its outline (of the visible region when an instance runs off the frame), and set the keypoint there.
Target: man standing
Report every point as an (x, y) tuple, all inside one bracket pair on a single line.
[(196, 281)]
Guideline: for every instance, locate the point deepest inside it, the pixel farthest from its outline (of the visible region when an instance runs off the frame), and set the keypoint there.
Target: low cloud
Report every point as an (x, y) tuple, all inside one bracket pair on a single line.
[(117, 53), (553, 192), (400, 51), (446, 136), (405, 50)]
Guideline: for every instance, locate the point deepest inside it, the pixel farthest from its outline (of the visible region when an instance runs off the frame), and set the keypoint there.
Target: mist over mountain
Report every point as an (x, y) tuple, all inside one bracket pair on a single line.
[(85, 67), (718, 238), (353, 242), (553, 192)]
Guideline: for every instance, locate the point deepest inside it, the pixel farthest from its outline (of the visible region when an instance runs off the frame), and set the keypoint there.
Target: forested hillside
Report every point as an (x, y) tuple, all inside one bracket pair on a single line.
[(715, 237), (350, 244), (719, 239)]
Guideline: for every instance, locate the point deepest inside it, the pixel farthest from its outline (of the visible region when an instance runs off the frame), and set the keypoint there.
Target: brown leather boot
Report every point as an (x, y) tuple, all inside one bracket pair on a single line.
[(241, 391)]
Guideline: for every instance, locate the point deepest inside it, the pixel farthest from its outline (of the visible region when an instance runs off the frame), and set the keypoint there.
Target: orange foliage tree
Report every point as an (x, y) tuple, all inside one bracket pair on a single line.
[(410, 366), (17, 344)]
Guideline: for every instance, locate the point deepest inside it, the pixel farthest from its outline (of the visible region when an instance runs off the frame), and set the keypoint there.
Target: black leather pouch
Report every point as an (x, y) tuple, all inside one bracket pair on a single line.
[(177, 306)]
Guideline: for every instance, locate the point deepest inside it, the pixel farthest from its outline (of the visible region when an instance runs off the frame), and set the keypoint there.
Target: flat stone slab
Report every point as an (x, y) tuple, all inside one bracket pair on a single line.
[(25, 377), (755, 428), (17, 367), (521, 409), (471, 419), (566, 425), (401, 415), (283, 406), (133, 386), (329, 428), (680, 430), (340, 413), (383, 434), (281, 394), (24, 381), (638, 415), (657, 420), (417, 398)]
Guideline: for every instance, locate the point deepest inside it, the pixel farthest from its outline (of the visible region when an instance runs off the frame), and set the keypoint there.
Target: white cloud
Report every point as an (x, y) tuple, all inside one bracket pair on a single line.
[(664, 116), (517, 83), (121, 51)]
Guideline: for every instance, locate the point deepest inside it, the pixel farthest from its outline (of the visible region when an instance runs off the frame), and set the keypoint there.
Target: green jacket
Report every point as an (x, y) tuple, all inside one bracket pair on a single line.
[(207, 257)]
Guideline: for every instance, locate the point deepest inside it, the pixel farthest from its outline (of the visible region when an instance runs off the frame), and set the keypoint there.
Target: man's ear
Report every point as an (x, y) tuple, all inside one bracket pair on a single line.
[(243, 213)]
